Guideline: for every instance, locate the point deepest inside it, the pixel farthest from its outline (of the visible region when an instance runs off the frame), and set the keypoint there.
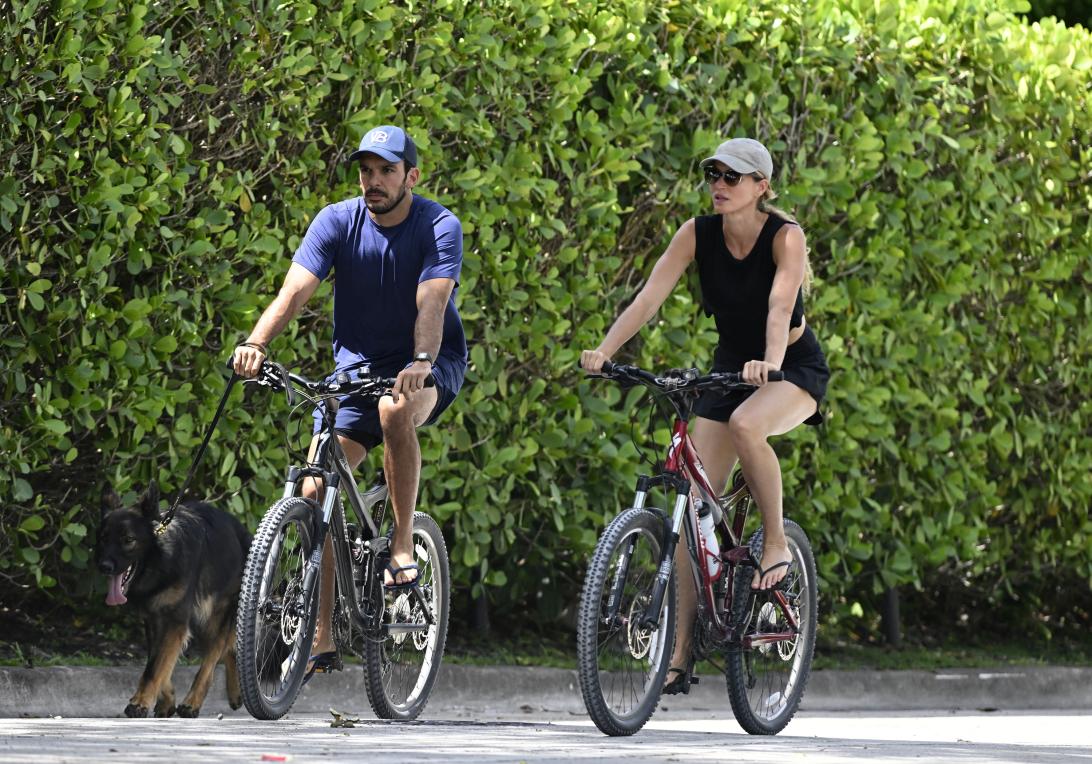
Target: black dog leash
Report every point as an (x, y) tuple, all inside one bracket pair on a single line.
[(197, 460)]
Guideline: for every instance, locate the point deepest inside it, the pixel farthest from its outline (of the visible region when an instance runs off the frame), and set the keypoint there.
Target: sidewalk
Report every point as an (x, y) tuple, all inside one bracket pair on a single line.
[(464, 691)]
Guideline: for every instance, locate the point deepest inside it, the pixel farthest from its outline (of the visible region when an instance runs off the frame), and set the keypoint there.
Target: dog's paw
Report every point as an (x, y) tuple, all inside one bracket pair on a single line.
[(235, 703), (164, 712), (133, 711), (188, 712)]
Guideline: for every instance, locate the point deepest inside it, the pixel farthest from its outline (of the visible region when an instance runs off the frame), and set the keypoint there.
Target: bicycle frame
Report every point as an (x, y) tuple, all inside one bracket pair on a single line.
[(328, 453), (683, 472)]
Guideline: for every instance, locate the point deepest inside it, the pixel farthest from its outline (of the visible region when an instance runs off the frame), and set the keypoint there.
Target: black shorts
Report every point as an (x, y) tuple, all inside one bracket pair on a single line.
[(804, 366), (358, 417)]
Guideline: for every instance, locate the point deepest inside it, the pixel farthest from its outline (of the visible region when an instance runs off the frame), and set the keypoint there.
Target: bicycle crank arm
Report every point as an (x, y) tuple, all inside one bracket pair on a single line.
[(754, 640), (403, 628)]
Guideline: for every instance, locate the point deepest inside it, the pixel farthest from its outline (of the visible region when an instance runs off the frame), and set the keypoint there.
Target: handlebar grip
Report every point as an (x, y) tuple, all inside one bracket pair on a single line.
[(775, 376), (388, 382), (608, 367)]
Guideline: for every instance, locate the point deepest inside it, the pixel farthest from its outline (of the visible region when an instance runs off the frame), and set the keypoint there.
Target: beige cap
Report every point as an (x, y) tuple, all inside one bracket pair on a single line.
[(744, 155)]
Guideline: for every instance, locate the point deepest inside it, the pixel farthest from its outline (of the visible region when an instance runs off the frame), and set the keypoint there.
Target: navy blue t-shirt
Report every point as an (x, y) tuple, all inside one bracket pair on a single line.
[(377, 270)]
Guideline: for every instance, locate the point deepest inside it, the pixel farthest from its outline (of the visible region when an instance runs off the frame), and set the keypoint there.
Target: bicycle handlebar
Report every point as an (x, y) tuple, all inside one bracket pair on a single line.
[(277, 378), (683, 380)]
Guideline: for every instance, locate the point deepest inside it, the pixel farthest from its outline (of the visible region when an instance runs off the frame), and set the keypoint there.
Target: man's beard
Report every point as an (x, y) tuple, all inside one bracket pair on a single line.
[(379, 208)]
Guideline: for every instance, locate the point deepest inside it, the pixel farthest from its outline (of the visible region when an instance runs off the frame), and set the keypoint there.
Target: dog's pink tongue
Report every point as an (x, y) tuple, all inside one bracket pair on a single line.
[(116, 596)]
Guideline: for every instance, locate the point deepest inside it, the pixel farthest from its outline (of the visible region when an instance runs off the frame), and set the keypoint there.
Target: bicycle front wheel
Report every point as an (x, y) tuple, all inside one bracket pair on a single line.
[(275, 626), (622, 662), (401, 665), (766, 682)]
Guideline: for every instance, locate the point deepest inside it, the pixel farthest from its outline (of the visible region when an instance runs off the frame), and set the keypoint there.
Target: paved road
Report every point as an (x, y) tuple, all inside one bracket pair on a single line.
[(967, 738)]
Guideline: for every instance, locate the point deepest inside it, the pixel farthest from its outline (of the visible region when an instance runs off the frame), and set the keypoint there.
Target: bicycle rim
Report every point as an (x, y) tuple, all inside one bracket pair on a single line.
[(276, 625), (402, 667), (767, 682), (622, 663)]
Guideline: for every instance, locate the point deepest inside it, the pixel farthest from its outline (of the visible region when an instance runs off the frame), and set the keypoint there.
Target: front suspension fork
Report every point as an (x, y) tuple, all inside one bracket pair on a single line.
[(313, 568), (650, 619)]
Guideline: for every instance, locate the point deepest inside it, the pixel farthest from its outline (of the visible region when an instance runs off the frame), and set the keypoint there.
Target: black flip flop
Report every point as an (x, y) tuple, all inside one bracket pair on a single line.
[(780, 584), (681, 683), (324, 662), (394, 585)]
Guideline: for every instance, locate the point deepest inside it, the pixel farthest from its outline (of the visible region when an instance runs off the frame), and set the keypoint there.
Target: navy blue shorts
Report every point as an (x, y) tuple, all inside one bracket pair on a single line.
[(358, 417)]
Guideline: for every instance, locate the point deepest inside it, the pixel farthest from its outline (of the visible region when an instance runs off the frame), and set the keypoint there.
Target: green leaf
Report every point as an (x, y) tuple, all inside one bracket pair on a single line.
[(32, 524), (21, 489)]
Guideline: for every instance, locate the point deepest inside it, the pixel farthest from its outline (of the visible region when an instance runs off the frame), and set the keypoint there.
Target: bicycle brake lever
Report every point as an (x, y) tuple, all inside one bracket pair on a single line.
[(288, 391)]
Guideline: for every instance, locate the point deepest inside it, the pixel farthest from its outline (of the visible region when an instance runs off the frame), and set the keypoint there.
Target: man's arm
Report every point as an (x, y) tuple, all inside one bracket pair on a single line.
[(297, 289), (428, 332)]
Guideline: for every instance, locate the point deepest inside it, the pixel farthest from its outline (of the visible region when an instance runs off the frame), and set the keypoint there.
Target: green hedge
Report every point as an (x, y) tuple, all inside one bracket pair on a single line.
[(162, 161)]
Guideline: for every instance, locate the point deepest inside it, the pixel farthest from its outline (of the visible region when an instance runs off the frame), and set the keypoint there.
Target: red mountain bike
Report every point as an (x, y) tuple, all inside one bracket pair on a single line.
[(626, 627)]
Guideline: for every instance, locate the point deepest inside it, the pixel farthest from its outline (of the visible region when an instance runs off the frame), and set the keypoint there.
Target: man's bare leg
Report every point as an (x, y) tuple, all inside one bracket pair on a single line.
[(324, 641), (402, 465)]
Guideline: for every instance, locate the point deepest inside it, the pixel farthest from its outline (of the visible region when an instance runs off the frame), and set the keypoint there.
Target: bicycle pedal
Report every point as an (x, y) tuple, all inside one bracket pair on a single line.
[(693, 680)]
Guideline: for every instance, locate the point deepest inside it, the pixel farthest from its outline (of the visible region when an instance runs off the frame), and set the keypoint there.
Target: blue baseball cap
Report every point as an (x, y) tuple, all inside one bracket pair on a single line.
[(390, 142)]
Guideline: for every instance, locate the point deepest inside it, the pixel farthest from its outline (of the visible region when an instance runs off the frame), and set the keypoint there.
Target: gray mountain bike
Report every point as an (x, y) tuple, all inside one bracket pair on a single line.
[(398, 632)]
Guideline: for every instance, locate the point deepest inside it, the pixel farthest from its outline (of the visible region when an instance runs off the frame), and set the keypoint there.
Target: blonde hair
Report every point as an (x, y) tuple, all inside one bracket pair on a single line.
[(764, 206)]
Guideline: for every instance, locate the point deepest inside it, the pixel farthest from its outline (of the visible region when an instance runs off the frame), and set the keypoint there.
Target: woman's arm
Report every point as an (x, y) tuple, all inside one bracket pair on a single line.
[(665, 275), (790, 257)]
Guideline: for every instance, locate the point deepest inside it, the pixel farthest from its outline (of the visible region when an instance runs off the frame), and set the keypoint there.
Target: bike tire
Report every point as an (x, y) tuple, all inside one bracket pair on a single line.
[(766, 683), (274, 629), (614, 656), (400, 670)]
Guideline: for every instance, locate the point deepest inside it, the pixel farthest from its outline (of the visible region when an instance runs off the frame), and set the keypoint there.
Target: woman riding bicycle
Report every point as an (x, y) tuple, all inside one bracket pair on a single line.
[(752, 268)]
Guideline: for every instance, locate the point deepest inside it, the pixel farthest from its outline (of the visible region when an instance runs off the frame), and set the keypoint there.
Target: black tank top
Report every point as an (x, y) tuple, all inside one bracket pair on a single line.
[(736, 293)]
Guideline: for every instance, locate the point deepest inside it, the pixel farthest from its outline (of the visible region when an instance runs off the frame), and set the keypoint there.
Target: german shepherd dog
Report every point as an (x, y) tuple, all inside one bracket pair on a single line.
[(186, 584)]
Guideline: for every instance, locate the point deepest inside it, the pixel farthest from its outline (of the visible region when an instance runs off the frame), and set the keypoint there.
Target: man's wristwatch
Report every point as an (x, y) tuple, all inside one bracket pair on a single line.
[(423, 357)]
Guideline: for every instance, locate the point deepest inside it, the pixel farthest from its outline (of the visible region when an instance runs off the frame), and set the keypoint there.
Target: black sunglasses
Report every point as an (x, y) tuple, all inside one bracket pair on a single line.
[(731, 177)]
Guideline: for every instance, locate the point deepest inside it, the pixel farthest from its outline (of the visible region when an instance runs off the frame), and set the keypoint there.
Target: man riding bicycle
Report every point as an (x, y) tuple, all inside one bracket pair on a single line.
[(397, 257)]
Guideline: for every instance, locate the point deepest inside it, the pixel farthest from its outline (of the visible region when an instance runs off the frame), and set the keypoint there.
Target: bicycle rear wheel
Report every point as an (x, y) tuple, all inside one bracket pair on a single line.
[(767, 681), (622, 664), (274, 627), (400, 668)]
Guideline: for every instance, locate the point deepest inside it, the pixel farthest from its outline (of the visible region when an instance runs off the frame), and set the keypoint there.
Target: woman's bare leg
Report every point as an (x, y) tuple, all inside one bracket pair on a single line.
[(774, 409)]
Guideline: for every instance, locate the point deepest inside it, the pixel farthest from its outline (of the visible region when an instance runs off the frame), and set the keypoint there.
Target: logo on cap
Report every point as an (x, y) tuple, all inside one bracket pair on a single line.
[(379, 136)]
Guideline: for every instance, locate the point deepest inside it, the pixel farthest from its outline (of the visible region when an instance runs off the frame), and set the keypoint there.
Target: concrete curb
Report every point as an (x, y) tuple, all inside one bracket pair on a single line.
[(460, 690)]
